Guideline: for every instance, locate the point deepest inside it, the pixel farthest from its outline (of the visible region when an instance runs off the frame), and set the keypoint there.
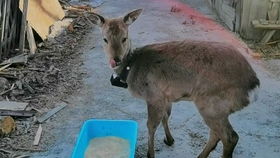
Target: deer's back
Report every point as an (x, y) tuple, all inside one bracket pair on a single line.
[(191, 68)]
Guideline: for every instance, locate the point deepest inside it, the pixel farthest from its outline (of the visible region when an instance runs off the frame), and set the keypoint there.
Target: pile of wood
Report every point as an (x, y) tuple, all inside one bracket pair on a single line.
[(28, 79), (9, 26)]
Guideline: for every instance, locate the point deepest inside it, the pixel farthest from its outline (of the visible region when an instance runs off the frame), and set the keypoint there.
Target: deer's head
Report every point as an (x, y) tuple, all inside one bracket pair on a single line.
[(115, 35)]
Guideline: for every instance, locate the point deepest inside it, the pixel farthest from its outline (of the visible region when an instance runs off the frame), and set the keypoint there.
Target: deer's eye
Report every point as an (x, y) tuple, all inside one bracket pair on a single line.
[(124, 39), (105, 40)]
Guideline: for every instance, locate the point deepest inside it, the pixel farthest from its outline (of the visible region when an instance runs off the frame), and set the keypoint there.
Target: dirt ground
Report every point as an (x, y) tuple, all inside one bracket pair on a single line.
[(89, 94)]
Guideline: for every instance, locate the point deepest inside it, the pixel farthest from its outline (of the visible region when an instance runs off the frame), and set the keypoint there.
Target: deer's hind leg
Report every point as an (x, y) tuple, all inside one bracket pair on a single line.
[(216, 118), (168, 139), (211, 144)]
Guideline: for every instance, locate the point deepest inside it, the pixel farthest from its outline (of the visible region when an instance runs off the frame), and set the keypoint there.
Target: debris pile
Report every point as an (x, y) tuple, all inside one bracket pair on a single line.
[(268, 50), (33, 87)]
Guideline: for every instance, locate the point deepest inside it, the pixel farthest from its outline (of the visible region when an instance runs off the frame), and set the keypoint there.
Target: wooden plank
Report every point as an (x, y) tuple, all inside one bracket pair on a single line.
[(228, 15), (11, 105), (4, 67), (18, 113), (276, 1), (42, 14), (8, 75), (1, 2), (38, 135), (3, 28), (11, 29), (268, 36), (268, 26), (23, 26), (237, 16), (13, 21), (246, 7), (6, 31), (257, 24), (19, 59), (210, 2), (273, 11), (6, 91), (30, 89), (15, 28), (51, 113), (6, 151), (252, 10), (31, 40), (3, 20), (218, 6)]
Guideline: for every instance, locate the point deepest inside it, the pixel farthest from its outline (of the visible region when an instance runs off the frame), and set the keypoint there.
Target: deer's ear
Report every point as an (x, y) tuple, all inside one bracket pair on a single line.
[(132, 16), (96, 19)]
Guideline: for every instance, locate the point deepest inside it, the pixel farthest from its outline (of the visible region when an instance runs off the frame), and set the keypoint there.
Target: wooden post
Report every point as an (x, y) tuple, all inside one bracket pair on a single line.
[(3, 26), (0, 27), (31, 40), (272, 14), (17, 28), (23, 26), (13, 26), (7, 28), (267, 36)]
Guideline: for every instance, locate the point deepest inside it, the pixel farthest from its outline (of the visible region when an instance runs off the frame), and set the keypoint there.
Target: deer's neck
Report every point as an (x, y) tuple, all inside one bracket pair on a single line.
[(125, 62)]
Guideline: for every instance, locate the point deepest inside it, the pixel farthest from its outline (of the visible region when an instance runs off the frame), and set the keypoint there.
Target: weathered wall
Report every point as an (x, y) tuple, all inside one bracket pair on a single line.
[(238, 15), (225, 11), (252, 10)]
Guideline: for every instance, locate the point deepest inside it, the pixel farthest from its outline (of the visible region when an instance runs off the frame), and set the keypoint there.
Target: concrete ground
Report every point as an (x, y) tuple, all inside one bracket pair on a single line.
[(258, 125)]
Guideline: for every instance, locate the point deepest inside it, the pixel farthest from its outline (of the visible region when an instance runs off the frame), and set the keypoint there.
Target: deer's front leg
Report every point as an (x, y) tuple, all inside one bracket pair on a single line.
[(155, 114)]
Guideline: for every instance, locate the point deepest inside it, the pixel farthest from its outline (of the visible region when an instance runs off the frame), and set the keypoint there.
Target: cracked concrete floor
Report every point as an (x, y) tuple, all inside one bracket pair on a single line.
[(258, 125)]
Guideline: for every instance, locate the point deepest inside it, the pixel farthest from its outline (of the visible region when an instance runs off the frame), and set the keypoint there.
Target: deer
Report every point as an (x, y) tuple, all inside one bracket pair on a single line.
[(215, 76)]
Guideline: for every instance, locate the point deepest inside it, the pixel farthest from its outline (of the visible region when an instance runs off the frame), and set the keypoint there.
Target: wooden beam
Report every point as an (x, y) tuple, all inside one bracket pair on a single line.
[(38, 135), (273, 11), (18, 113), (245, 12), (12, 105), (31, 40), (3, 27), (23, 26), (227, 14), (7, 29), (19, 59), (8, 75), (257, 24), (13, 21), (267, 36), (276, 1), (237, 20), (51, 112)]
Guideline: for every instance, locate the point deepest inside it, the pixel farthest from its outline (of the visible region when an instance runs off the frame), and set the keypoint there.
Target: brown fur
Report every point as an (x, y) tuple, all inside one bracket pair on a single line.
[(213, 75), (193, 69)]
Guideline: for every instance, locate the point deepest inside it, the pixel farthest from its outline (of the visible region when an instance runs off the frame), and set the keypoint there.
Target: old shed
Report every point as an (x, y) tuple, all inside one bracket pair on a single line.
[(253, 19)]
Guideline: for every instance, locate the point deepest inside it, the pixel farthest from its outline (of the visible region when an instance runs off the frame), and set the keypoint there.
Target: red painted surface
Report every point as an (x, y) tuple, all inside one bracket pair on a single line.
[(194, 16)]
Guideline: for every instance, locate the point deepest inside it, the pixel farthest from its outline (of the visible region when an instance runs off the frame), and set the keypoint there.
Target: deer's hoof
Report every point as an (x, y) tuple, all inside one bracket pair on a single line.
[(169, 142)]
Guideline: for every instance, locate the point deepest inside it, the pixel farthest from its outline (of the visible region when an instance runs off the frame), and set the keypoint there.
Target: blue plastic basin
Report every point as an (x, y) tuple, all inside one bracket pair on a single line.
[(125, 129)]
